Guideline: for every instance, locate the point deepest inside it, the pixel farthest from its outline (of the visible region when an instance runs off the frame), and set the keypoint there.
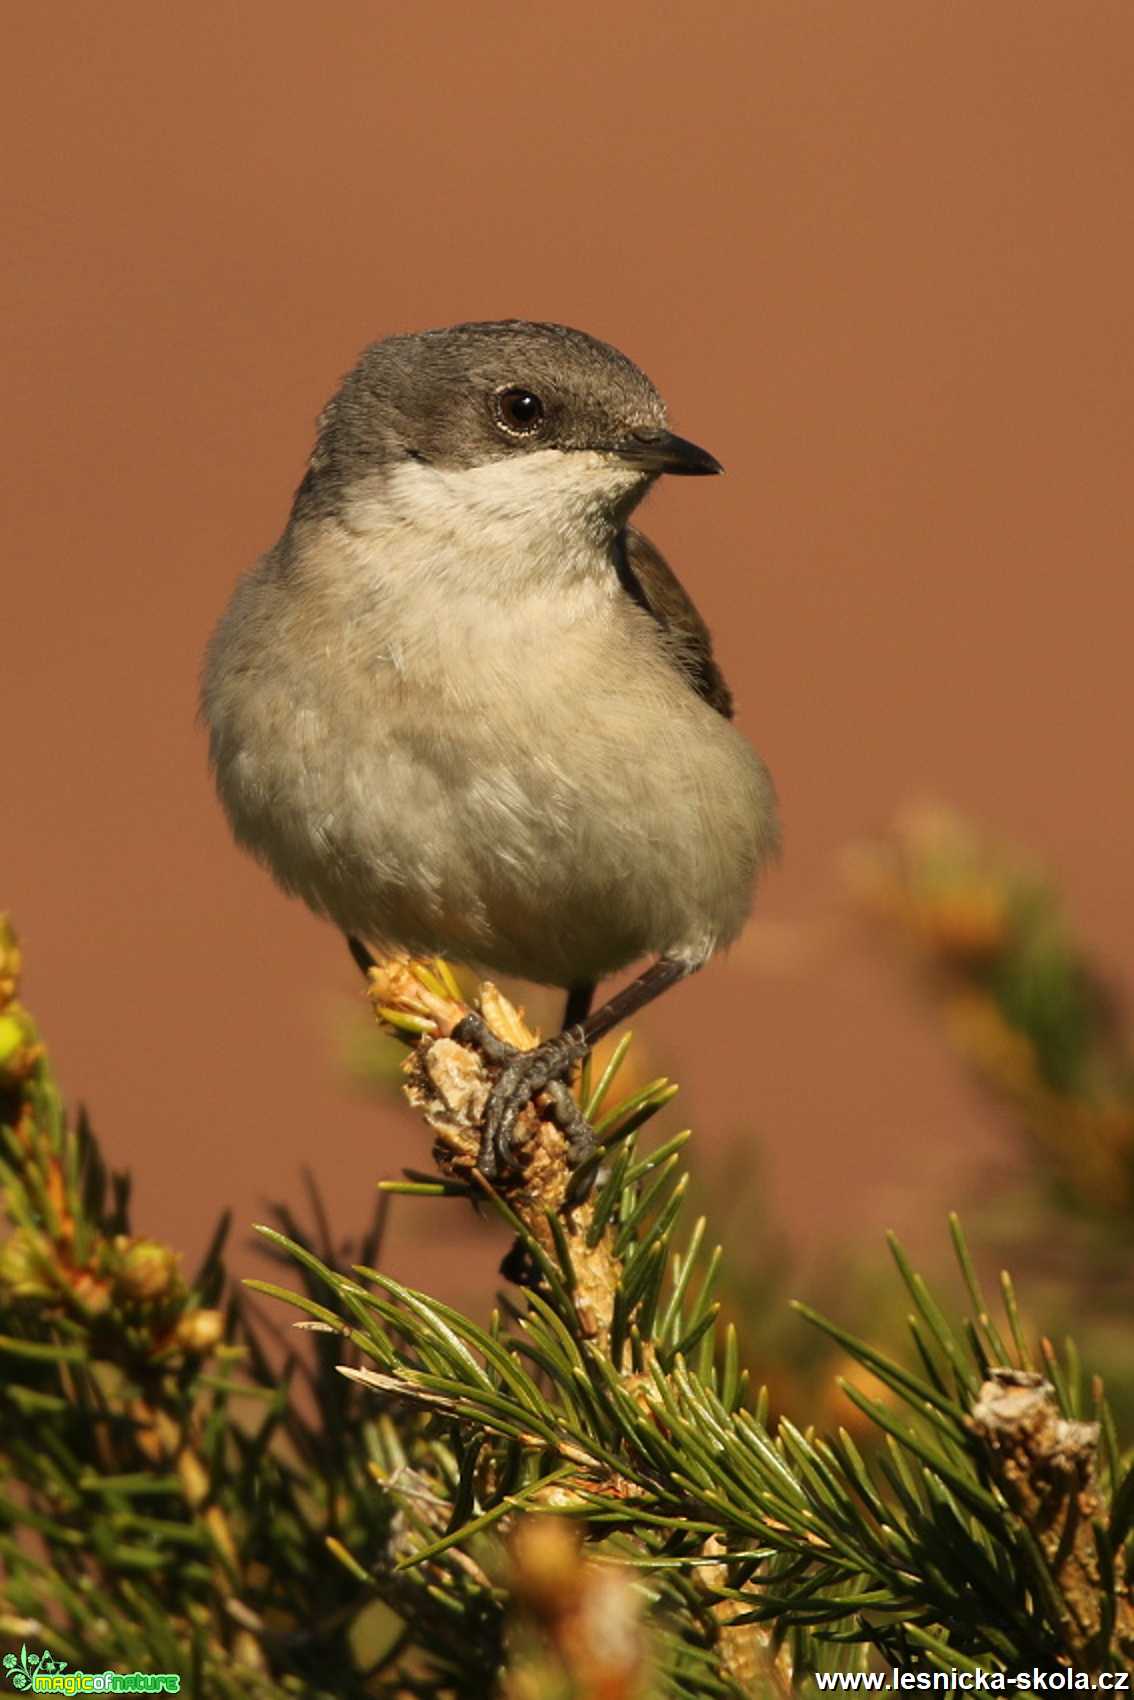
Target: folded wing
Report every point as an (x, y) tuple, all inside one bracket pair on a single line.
[(648, 579)]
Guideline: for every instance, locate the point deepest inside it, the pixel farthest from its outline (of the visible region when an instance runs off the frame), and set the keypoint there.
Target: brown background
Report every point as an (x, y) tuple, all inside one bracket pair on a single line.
[(879, 257)]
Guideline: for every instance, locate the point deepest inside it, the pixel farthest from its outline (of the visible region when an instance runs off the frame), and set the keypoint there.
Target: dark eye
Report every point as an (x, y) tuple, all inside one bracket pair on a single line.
[(518, 412)]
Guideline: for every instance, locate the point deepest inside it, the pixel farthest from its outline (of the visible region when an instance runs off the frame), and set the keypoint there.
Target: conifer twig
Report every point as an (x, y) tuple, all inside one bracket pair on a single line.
[(448, 1084), (1044, 1464)]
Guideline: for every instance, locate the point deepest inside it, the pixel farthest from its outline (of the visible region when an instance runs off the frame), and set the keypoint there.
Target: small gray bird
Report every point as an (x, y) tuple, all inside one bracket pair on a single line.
[(463, 708)]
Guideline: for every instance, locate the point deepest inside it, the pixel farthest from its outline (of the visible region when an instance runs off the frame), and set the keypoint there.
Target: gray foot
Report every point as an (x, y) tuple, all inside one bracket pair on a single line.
[(523, 1076)]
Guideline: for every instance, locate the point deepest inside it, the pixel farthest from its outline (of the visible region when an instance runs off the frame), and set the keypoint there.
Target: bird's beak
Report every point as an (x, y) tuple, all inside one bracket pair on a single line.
[(660, 451)]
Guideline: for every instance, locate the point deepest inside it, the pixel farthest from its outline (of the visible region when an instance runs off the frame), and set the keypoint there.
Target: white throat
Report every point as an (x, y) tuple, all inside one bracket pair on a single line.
[(537, 517)]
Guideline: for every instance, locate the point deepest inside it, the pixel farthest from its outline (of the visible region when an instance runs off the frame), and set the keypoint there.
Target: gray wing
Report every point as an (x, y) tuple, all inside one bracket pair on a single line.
[(647, 578)]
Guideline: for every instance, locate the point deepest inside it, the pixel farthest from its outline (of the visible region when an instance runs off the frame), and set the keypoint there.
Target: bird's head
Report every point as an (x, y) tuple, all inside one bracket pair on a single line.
[(491, 427)]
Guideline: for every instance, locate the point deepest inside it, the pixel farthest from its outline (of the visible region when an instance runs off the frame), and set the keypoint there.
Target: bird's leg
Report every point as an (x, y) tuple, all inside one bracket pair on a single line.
[(658, 978), (517, 1085), (547, 1068), (360, 956), (525, 1074), (579, 1001)]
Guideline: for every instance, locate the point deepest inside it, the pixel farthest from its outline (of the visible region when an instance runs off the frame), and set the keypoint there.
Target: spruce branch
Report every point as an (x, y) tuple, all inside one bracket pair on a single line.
[(448, 1084), (577, 1497), (1045, 1465), (164, 1503), (775, 1551)]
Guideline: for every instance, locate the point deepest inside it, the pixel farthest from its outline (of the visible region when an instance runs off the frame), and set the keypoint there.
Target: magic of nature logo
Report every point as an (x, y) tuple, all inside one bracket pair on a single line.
[(43, 1673)]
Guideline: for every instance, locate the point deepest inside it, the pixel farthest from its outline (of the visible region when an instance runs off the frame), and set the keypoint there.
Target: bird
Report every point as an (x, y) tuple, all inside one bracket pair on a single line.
[(464, 708)]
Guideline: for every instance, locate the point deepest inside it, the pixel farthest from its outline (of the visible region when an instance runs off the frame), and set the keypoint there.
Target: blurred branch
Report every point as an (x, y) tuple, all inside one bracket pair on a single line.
[(1020, 1000)]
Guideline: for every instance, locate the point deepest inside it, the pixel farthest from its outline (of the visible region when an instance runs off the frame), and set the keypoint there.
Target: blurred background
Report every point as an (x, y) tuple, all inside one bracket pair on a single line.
[(879, 258)]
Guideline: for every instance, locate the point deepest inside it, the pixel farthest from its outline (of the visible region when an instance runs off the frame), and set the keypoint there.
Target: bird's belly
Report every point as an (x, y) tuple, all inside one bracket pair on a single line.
[(555, 846)]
